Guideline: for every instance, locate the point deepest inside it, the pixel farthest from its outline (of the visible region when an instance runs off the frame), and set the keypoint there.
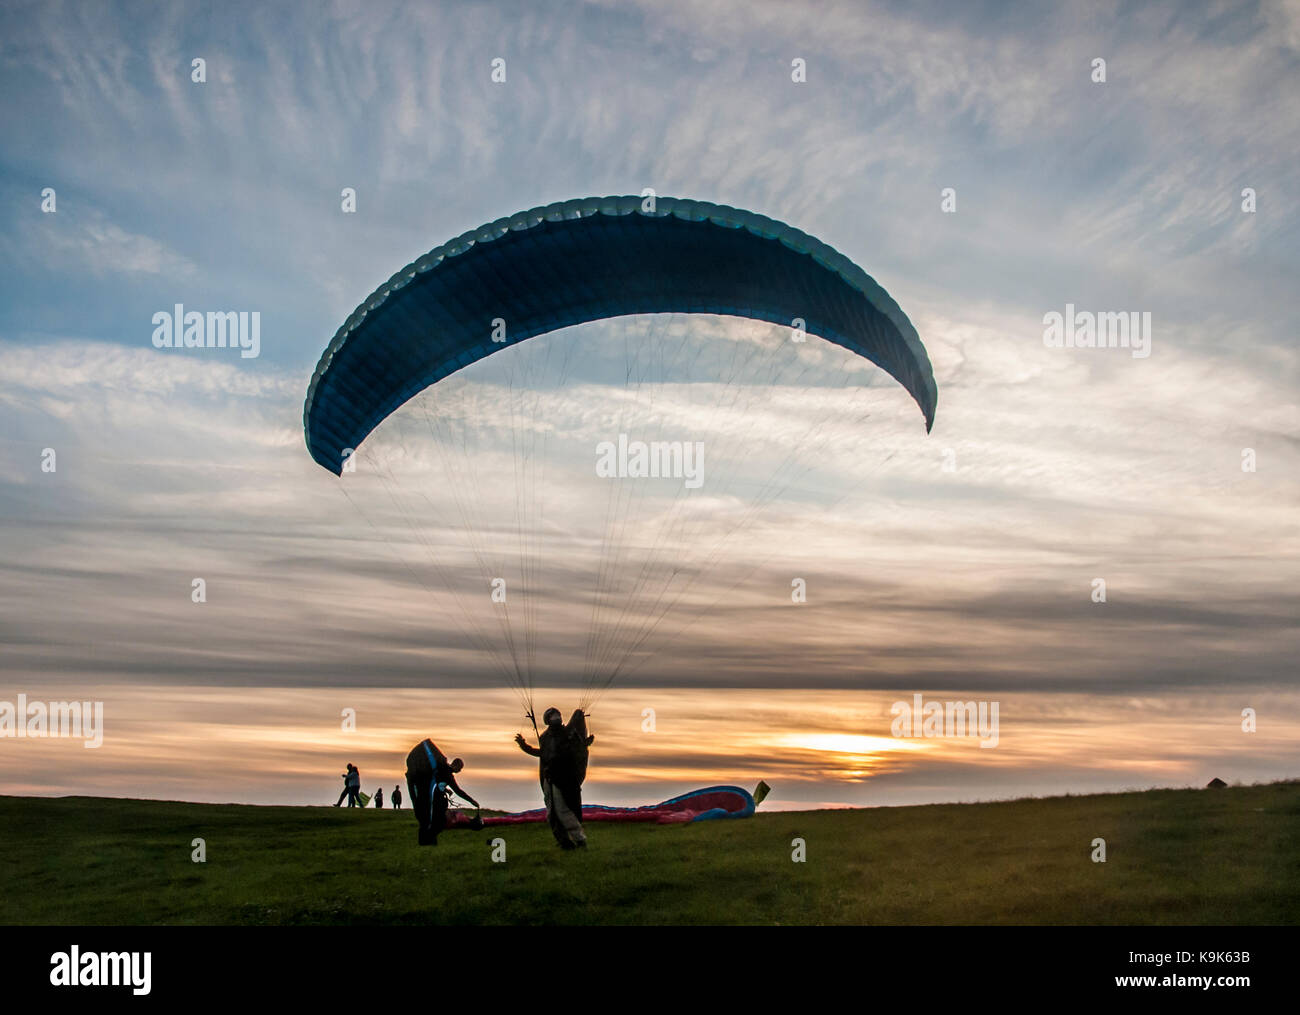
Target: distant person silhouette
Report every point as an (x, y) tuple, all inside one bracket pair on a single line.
[(351, 787), (397, 798), (379, 797)]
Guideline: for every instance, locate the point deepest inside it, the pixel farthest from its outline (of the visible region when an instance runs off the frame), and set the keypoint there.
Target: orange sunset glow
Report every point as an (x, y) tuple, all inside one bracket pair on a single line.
[(815, 748)]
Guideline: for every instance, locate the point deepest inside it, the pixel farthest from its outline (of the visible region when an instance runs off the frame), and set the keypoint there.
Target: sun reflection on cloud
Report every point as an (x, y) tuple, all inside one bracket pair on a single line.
[(849, 743), (849, 757)]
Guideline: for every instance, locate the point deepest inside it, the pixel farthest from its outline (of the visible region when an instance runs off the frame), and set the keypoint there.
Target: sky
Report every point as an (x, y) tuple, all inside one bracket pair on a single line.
[(960, 565)]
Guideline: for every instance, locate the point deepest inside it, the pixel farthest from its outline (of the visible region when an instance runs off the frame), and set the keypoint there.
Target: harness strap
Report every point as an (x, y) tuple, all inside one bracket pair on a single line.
[(436, 786)]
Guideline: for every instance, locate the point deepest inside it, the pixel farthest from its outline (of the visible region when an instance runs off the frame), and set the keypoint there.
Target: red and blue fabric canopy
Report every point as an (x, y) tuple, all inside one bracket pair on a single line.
[(699, 805)]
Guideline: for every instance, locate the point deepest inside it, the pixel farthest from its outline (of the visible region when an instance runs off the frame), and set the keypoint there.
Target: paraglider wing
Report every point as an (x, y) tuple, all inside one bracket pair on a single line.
[(587, 260), (699, 805)]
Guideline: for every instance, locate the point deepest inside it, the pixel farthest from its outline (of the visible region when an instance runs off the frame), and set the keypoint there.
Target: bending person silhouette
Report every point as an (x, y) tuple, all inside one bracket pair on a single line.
[(430, 779)]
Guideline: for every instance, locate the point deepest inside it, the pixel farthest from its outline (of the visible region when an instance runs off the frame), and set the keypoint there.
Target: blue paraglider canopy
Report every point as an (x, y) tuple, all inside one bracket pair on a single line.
[(587, 260)]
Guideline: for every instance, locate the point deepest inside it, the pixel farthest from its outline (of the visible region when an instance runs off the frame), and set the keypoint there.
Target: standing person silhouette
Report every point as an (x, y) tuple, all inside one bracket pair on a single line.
[(562, 767)]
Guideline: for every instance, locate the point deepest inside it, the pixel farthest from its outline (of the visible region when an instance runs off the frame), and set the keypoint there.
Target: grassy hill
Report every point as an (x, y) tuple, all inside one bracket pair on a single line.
[(1228, 856)]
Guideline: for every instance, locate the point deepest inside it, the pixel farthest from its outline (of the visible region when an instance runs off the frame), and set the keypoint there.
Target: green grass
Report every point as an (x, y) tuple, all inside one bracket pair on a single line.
[(1173, 856)]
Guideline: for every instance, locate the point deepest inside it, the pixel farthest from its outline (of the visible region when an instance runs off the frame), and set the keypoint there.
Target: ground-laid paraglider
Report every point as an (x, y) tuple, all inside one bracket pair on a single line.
[(709, 804)]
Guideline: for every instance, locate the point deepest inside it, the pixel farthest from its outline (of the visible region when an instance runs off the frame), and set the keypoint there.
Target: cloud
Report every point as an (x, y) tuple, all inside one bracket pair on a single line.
[(174, 466), (72, 245)]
